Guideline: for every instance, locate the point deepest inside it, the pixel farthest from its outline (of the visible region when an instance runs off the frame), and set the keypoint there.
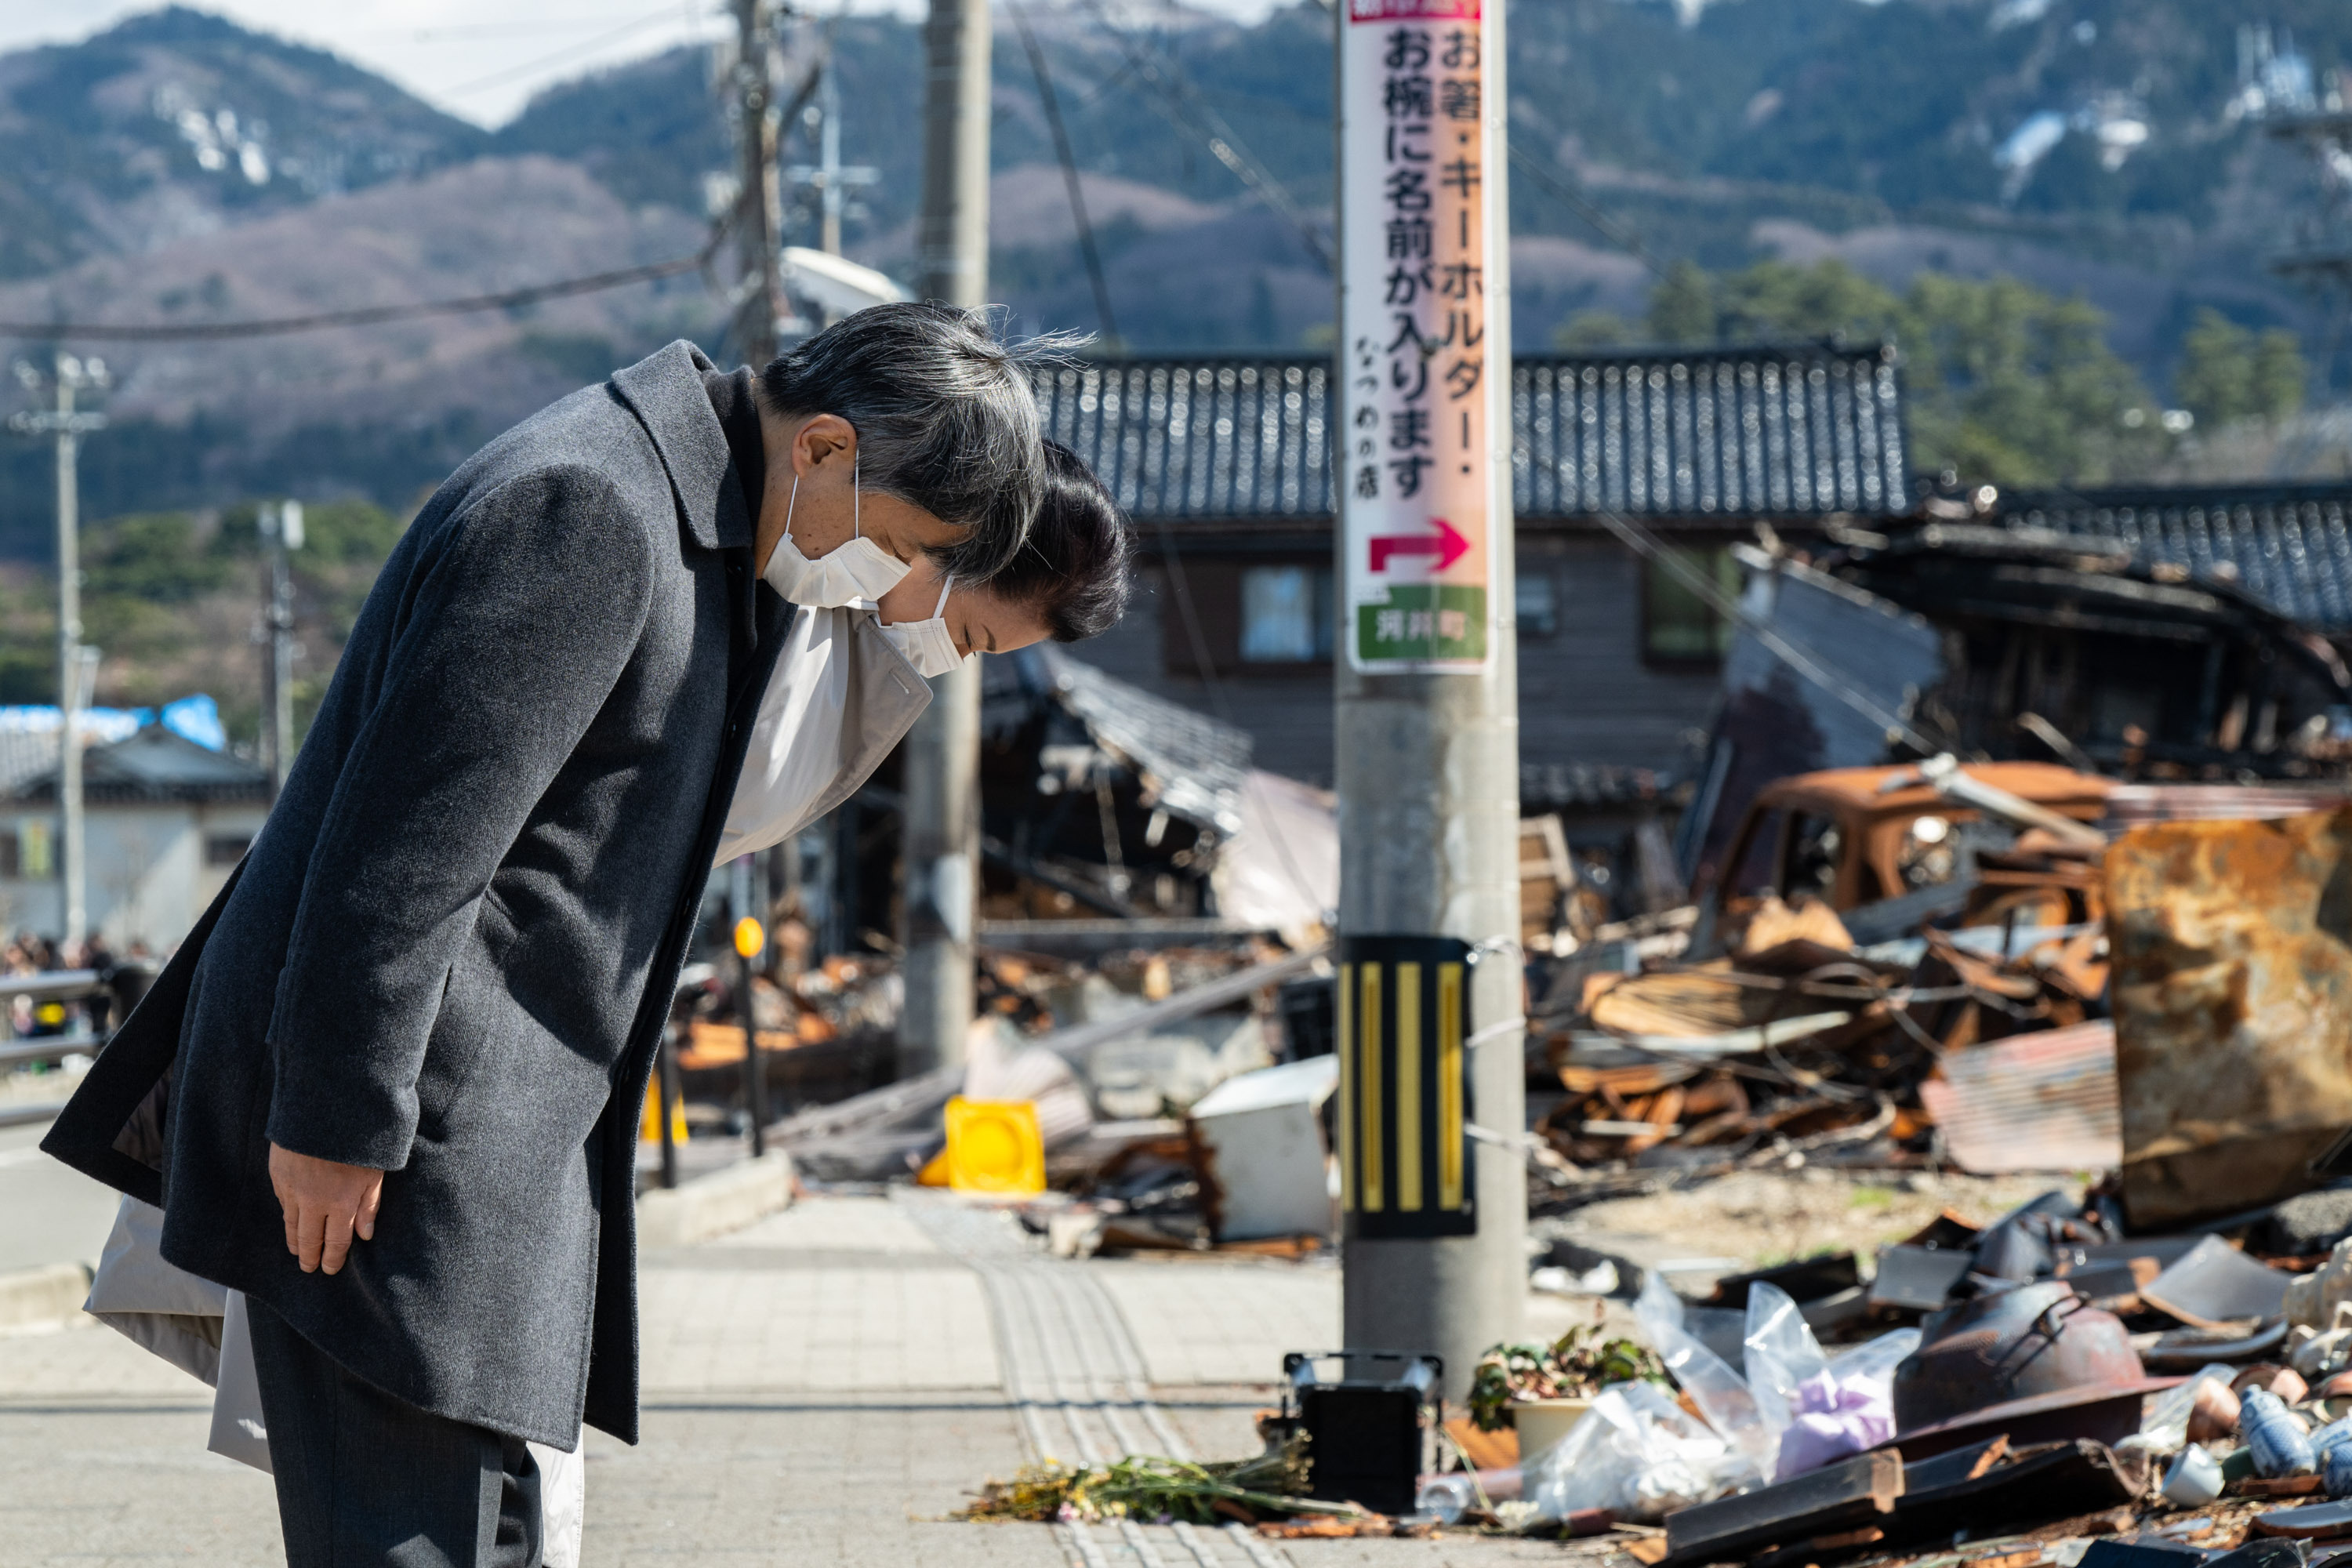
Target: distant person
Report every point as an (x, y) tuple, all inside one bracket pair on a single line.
[(407, 1047)]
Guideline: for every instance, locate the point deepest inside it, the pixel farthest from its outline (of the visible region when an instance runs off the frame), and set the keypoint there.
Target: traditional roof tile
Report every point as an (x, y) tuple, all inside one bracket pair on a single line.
[(1789, 431)]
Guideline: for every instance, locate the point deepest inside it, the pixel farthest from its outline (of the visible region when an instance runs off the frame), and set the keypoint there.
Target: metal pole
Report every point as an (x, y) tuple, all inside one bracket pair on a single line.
[(285, 537), (666, 1087), (750, 936), (73, 871), (64, 427), (829, 191), (1426, 689), (265, 524), (758, 236), (942, 806)]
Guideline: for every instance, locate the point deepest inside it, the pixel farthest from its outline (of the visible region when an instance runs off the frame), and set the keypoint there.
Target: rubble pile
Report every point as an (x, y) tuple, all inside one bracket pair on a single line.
[(1997, 967), (2001, 1394)]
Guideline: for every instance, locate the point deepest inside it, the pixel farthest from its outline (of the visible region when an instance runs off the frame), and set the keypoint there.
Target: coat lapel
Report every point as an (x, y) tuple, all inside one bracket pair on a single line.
[(665, 391)]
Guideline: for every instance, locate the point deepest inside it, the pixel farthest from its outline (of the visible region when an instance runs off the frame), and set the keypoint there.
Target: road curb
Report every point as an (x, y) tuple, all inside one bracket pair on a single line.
[(714, 1205), (43, 1296)]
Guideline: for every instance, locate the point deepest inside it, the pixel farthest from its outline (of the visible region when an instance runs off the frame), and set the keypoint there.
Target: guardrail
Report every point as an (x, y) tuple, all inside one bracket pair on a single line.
[(121, 987)]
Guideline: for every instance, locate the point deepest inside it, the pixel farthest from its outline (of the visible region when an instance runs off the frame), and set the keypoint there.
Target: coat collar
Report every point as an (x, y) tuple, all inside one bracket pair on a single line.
[(666, 391)]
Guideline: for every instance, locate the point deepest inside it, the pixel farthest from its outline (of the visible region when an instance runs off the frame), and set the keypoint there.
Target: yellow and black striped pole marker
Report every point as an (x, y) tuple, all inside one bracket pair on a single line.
[(1404, 1087)]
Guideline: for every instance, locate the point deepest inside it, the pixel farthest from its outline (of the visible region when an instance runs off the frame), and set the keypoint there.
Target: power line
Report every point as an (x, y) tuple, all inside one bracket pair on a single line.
[(1095, 278), (1584, 209), (569, 52), (1183, 106), (1649, 546), (368, 316)]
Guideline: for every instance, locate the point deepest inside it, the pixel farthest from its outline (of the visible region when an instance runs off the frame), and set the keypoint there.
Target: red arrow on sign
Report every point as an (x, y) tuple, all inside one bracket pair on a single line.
[(1446, 545)]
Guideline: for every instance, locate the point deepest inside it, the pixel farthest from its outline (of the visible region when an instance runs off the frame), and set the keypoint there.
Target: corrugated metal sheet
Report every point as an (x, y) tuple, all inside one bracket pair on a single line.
[(1733, 433), (2288, 545), (2129, 805), (1199, 766), (2232, 994), (2031, 1102)]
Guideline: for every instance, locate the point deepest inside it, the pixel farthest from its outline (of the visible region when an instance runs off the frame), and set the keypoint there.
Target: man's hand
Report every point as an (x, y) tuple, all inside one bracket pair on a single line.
[(325, 1204)]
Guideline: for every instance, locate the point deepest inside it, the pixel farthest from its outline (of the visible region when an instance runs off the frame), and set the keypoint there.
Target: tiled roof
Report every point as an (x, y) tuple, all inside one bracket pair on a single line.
[(1799, 431), (2290, 546), (154, 764)]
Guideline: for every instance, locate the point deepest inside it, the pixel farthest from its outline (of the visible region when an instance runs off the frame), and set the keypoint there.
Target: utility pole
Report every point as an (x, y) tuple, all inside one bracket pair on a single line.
[(828, 159), (280, 524), (76, 670), (1433, 1115), (759, 235), (942, 797)]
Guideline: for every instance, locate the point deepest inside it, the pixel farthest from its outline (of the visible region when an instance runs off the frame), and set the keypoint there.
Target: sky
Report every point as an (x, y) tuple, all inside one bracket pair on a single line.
[(479, 59)]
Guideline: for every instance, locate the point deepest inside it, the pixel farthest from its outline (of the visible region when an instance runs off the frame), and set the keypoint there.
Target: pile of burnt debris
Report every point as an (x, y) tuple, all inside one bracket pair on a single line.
[(2045, 1389), (1996, 967)]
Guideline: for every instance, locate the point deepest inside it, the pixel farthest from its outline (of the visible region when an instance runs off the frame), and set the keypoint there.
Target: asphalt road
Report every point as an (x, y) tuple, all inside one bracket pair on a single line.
[(47, 1213)]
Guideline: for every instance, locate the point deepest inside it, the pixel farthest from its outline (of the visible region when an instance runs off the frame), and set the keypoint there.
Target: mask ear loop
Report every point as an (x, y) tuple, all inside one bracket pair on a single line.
[(856, 522), (941, 607)]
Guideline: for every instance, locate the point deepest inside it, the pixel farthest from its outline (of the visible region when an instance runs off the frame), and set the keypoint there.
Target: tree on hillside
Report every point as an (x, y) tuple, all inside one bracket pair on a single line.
[(2014, 386), (1682, 307), (2229, 373), (1779, 301), (2009, 385), (170, 598)]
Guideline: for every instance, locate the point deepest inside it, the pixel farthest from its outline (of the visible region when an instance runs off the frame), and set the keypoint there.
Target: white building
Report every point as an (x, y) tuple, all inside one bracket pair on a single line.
[(167, 820)]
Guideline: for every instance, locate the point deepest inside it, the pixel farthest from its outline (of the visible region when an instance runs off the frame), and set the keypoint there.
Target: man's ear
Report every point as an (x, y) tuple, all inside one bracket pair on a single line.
[(823, 438)]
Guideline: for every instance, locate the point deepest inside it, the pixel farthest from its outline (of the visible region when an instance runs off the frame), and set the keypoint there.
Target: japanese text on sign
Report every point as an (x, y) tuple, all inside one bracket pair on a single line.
[(1419, 392)]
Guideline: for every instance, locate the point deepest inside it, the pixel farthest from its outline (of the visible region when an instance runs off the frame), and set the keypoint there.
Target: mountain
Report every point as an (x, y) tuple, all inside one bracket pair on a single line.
[(179, 168), (178, 122)]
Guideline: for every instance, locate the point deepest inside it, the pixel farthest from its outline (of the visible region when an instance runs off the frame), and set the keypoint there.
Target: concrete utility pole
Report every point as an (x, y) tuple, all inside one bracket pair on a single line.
[(1432, 1106), (76, 671), (943, 809), (759, 235), (828, 161), (280, 524)]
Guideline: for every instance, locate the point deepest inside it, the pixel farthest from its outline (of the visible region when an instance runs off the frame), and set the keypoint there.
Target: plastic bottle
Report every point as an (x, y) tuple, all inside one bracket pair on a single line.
[(2281, 1447)]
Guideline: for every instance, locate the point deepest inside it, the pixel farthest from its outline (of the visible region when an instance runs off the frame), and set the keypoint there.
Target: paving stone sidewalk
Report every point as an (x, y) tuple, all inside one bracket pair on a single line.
[(823, 1387)]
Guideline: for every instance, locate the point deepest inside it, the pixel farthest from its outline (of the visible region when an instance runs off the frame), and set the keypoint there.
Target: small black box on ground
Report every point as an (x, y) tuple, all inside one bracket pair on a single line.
[(1309, 1010), (1363, 1415)]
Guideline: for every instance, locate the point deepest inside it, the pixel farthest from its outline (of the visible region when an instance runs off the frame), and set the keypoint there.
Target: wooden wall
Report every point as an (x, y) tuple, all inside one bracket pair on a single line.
[(1585, 695)]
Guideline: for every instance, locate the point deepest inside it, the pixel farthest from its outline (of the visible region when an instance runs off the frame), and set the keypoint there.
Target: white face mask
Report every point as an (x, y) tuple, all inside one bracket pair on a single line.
[(859, 570), (929, 645)]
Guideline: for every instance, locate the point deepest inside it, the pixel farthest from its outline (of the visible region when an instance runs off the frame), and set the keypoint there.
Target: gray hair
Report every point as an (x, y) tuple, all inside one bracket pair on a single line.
[(944, 415)]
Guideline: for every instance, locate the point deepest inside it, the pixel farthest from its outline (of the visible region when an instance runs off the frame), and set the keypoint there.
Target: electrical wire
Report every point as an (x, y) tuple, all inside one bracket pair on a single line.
[(1647, 545), (1095, 278), (1183, 106), (559, 57), (366, 316), (1624, 238)]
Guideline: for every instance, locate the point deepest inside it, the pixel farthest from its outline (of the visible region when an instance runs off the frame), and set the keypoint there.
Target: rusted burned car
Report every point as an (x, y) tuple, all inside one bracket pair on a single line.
[(1859, 839)]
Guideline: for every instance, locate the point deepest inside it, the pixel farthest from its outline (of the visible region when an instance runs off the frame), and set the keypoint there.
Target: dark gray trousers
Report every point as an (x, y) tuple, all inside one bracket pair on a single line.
[(365, 1479)]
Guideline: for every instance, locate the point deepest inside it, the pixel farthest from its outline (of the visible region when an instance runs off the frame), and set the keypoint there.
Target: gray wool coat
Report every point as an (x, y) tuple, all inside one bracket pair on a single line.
[(450, 953)]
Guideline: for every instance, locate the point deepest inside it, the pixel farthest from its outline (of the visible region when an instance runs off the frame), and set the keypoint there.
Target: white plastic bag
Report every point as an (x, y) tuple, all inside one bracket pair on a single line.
[(1851, 1406), (1637, 1454), (1720, 1394), (1781, 1353), (1817, 1410)]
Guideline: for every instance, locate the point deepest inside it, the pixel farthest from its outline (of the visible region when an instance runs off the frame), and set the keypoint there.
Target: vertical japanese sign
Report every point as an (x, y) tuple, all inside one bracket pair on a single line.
[(1421, 382)]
